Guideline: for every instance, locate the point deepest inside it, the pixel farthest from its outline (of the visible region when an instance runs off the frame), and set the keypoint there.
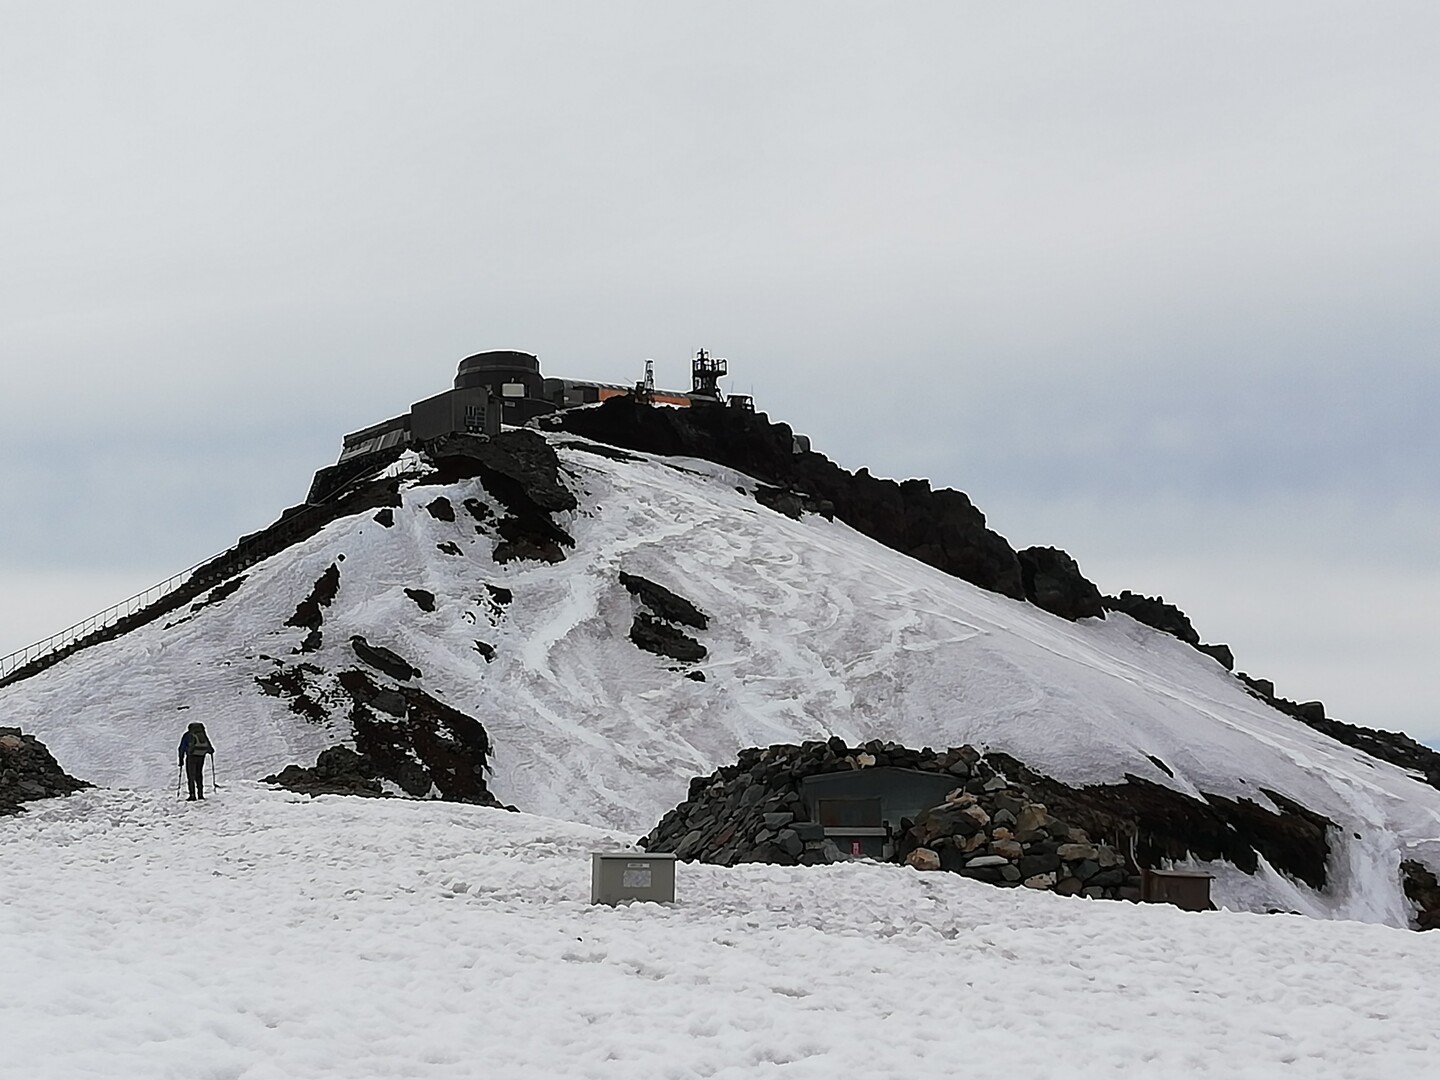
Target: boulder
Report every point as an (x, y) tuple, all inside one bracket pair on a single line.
[(1052, 580), (1221, 653), (28, 772), (923, 859)]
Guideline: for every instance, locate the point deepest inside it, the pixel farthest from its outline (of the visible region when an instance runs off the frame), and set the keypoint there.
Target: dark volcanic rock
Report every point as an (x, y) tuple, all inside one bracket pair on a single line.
[(1168, 824), (521, 470), (420, 743), (655, 629), (382, 659), (424, 598), (1423, 890), (307, 612), (793, 503), (663, 602), (941, 528), (337, 771), (1154, 611), (298, 685), (1053, 581), (440, 509), (518, 467), (536, 539), (652, 635), (29, 772)]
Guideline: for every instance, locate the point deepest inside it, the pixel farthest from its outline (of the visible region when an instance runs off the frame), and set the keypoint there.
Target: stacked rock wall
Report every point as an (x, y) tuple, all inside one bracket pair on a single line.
[(988, 827)]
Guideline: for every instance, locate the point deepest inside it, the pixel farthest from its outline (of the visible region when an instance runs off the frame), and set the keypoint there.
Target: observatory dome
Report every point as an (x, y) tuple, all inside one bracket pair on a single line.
[(488, 368)]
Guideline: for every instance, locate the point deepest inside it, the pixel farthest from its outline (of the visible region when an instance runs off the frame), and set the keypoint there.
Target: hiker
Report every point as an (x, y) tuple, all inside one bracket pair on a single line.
[(194, 745)]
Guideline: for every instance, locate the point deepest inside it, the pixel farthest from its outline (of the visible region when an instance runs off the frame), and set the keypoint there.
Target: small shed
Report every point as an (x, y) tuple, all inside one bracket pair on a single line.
[(861, 809), (1188, 890)]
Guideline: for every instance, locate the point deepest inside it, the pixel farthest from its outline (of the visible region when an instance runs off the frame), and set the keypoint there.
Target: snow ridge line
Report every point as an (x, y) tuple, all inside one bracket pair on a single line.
[(304, 522)]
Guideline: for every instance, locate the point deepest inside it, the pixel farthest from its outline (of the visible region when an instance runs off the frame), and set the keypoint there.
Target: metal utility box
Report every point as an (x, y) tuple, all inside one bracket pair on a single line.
[(631, 875), (1186, 889)]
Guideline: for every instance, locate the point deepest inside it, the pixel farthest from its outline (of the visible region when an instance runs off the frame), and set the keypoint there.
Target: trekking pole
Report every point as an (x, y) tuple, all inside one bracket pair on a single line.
[(179, 775), (213, 782)]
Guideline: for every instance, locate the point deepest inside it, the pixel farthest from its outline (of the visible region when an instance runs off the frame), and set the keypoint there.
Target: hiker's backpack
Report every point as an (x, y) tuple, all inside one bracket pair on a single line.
[(200, 744)]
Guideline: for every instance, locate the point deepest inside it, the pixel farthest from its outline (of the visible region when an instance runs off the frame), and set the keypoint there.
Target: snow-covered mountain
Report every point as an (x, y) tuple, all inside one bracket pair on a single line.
[(811, 630)]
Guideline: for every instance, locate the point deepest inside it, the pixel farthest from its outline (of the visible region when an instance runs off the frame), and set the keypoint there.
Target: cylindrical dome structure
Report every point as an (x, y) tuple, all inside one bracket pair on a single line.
[(512, 377), (500, 366)]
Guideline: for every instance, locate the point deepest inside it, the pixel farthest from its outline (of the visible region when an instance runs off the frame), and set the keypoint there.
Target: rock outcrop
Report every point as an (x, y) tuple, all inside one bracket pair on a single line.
[(402, 734), (29, 772), (521, 470), (308, 613), (1423, 890), (941, 528), (383, 659), (1153, 611), (337, 771), (1053, 581), (657, 623)]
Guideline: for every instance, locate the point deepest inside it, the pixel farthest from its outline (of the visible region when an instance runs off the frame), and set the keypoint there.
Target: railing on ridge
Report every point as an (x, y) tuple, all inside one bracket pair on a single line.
[(97, 622), (218, 567)]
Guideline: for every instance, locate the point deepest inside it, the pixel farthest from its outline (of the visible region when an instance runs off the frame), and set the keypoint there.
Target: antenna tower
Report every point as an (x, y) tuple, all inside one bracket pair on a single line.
[(645, 388), (708, 371)]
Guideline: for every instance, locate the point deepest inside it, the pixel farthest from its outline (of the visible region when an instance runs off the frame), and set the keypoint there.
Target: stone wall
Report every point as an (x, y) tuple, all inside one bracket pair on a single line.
[(989, 827)]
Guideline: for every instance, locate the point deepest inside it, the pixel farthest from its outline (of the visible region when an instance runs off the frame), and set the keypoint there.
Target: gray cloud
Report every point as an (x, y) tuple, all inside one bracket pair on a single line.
[(1152, 284)]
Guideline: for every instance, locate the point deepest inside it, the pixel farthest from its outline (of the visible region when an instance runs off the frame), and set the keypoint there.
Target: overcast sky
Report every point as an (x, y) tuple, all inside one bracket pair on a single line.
[(1154, 283)]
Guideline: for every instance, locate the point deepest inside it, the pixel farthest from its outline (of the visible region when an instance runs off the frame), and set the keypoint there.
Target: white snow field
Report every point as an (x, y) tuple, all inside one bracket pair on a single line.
[(815, 630), (262, 936)]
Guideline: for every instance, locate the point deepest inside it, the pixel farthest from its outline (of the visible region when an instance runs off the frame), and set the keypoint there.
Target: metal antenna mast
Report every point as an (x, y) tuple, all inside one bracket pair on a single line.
[(708, 371), (645, 388)]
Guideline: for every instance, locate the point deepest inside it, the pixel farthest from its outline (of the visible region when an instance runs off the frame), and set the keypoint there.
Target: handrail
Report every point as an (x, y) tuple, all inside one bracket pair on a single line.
[(99, 621), (224, 565)]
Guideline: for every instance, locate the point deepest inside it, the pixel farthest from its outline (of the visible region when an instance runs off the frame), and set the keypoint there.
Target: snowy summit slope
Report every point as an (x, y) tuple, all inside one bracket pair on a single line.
[(814, 630)]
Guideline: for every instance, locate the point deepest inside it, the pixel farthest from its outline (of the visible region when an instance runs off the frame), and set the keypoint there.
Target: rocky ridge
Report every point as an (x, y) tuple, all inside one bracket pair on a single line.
[(1393, 746), (942, 528)]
